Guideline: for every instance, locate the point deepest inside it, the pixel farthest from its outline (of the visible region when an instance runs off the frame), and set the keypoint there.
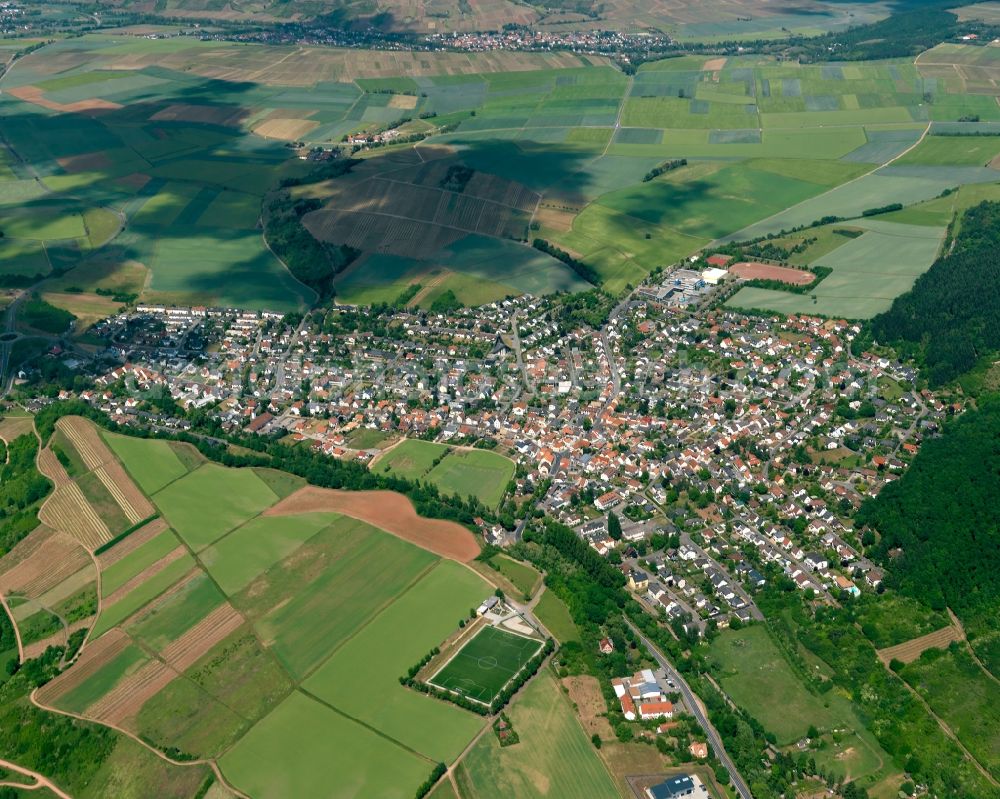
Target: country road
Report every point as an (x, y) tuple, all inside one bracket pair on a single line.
[(692, 702)]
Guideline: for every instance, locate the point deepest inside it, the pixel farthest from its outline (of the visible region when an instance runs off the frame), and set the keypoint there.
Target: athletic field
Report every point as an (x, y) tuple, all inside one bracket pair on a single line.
[(486, 664)]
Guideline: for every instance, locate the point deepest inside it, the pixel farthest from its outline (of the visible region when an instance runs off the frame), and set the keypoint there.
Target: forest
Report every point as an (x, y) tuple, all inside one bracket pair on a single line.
[(951, 317), (940, 523)]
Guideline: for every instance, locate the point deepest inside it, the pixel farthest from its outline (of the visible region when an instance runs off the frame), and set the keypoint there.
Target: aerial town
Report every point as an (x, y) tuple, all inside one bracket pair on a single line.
[(687, 443)]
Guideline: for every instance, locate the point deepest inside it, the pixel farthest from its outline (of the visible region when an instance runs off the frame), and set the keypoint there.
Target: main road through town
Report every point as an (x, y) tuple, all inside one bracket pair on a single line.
[(692, 702)]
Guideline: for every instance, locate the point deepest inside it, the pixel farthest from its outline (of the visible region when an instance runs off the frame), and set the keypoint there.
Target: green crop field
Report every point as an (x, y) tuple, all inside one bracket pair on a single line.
[(168, 619), (954, 151), (523, 576), (212, 500), (150, 462), (486, 664), (371, 662), (322, 753), (136, 561), (964, 696), (554, 759), (756, 675), (141, 595)]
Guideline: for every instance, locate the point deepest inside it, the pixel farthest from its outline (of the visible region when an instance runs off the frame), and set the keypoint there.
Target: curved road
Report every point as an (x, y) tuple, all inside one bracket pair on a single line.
[(692, 702)]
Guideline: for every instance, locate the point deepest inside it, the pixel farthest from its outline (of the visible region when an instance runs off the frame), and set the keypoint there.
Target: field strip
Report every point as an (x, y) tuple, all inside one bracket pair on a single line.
[(67, 510), (908, 651), (58, 572), (116, 492), (446, 193), (123, 702), (88, 443), (25, 548), (48, 564), (147, 573), (91, 661), (131, 543), (17, 631), (193, 644), (12, 427), (49, 465), (157, 601)]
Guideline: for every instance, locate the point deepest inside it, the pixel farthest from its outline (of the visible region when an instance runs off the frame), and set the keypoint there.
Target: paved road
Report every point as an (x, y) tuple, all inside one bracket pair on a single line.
[(692, 702)]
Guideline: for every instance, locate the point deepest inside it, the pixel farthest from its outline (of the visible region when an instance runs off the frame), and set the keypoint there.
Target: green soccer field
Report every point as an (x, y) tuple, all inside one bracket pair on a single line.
[(486, 664)]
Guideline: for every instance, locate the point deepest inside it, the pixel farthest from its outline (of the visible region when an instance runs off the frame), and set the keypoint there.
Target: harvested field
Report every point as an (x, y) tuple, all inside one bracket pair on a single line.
[(145, 575), (196, 642), (128, 496), (227, 116), (585, 693), (59, 639), (285, 129), (25, 548), (911, 650), (67, 510), (84, 437), (387, 510), (93, 658), (713, 64), (757, 271), (13, 426), (35, 96), (57, 558), (132, 543), (123, 703), (49, 465)]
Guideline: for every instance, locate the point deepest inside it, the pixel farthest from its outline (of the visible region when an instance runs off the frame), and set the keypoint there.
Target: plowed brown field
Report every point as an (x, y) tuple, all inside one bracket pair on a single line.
[(908, 651), (389, 511)]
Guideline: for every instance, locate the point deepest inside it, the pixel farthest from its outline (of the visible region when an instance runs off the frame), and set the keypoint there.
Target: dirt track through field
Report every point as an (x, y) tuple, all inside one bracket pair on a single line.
[(59, 639), (41, 781), (389, 511)]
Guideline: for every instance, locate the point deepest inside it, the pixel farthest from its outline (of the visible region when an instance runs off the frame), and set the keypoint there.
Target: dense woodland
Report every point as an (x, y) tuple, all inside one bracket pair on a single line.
[(940, 522), (951, 316)]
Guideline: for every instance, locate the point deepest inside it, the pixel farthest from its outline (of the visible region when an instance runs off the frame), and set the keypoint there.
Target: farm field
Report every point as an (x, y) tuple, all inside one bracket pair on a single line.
[(486, 663), (554, 614), (180, 140), (756, 675), (523, 576), (465, 472), (868, 273), (554, 759), (279, 634)]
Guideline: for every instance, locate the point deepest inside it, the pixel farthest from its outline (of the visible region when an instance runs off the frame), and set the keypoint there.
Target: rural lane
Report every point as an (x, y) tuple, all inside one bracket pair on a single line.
[(40, 781), (692, 702)]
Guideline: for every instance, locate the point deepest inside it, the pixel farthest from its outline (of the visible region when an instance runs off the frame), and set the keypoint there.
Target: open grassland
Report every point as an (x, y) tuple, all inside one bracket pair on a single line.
[(523, 576), (758, 678), (212, 500), (554, 758), (965, 697), (150, 462), (371, 662), (465, 472)]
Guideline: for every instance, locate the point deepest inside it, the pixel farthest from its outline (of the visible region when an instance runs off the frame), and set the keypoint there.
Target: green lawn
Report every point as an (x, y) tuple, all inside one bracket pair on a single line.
[(372, 661), (523, 576), (485, 664), (479, 472), (151, 462), (554, 616), (321, 753), (554, 759), (410, 459), (212, 500)]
